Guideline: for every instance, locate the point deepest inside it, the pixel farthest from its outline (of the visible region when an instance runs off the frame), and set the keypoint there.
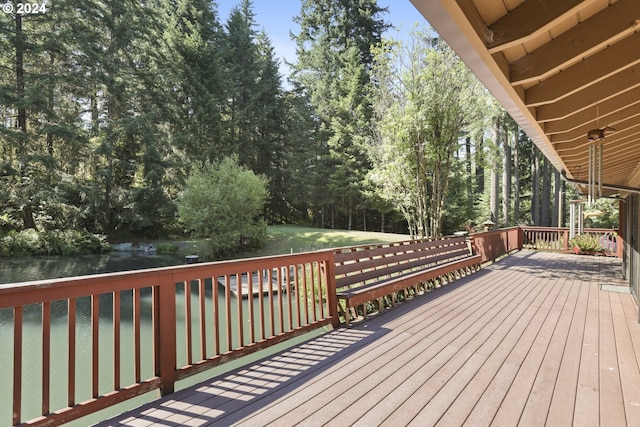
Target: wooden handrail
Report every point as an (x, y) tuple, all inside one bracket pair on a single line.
[(286, 296)]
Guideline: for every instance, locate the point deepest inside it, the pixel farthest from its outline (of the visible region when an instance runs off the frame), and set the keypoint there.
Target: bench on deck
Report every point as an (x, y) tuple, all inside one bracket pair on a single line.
[(371, 272)]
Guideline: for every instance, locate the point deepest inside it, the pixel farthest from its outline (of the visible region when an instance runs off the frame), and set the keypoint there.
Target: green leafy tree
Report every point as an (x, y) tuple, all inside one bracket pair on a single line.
[(223, 202), (425, 100)]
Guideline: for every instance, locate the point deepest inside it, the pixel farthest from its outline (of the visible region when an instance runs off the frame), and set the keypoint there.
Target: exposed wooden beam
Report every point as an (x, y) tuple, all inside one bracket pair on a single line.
[(528, 20), (619, 120), (476, 21), (623, 148), (608, 88), (633, 180), (620, 137), (613, 156), (587, 72), (622, 18), (590, 114)]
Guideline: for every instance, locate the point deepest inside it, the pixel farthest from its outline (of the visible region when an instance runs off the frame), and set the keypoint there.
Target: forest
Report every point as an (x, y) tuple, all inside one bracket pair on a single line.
[(107, 108)]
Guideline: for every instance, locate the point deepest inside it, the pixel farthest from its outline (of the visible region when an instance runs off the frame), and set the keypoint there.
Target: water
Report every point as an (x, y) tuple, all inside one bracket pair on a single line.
[(25, 269)]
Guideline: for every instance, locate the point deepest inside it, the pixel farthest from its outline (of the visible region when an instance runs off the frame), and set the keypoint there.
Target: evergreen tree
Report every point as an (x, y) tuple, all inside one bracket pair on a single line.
[(334, 59), (194, 39)]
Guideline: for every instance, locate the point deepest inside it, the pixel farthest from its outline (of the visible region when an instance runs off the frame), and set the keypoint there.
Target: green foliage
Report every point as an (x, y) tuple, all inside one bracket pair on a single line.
[(604, 213), (54, 242), (586, 242), (334, 60), (167, 248), (426, 99), (223, 202)]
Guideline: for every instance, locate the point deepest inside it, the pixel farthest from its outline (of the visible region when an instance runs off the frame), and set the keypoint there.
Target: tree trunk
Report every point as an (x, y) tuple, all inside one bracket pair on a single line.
[(556, 220), (495, 178), (516, 179), (470, 194), (27, 209), (480, 166), (506, 180), (20, 86), (535, 186), (545, 205)]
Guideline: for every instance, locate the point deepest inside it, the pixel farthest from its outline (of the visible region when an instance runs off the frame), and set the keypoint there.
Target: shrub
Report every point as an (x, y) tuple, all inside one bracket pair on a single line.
[(54, 242), (223, 202)]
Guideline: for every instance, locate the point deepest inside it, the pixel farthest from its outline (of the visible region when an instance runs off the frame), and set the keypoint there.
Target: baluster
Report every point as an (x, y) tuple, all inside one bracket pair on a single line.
[(203, 332), (116, 340), (239, 309), (71, 352)]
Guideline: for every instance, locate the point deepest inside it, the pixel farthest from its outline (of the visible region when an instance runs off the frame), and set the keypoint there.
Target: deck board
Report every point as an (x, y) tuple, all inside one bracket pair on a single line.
[(531, 340)]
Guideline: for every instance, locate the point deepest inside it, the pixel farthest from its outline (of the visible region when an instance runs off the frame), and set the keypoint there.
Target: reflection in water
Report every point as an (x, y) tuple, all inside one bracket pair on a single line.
[(25, 269)]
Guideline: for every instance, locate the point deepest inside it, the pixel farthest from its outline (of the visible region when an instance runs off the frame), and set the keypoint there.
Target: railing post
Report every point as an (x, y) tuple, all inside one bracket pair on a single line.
[(330, 271), (565, 238), (520, 241), (164, 312)]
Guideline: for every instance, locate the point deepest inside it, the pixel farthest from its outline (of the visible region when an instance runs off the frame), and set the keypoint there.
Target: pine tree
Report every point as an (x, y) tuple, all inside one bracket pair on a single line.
[(195, 57), (334, 59)]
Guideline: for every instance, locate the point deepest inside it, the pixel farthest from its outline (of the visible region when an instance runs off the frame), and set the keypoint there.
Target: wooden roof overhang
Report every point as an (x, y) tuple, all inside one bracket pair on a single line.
[(560, 68)]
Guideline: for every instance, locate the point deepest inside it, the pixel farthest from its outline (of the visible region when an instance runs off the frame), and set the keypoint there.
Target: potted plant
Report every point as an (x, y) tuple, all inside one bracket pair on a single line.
[(588, 244)]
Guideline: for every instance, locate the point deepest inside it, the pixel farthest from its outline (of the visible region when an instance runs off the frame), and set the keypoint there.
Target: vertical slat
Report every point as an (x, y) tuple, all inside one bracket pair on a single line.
[(157, 340), (187, 321), (306, 292), (203, 331), (17, 365), (95, 324), (46, 356), (116, 340), (216, 316), (272, 317), (289, 300), (313, 291), (261, 307), (71, 352), (239, 310), (252, 329), (227, 306), (136, 335), (320, 286), (296, 272), (279, 278)]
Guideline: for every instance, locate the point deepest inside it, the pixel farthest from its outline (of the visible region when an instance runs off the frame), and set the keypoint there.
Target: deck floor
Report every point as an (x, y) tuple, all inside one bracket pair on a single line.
[(532, 340)]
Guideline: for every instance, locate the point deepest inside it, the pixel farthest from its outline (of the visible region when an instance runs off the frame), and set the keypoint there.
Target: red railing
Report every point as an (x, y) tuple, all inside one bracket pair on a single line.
[(491, 245), (557, 239), (181, 320)]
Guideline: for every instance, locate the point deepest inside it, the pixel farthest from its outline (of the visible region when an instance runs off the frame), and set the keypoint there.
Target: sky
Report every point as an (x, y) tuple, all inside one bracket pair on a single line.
[(276, 18)]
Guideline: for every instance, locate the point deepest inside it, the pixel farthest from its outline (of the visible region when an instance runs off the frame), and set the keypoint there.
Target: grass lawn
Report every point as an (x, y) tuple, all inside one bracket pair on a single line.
[(286, 239)]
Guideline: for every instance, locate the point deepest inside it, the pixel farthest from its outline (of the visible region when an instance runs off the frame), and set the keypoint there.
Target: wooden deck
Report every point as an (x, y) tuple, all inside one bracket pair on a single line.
[(532, 340)]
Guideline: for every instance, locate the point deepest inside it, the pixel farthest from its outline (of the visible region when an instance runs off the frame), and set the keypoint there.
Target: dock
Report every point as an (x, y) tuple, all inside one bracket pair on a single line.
[(272, 285)]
